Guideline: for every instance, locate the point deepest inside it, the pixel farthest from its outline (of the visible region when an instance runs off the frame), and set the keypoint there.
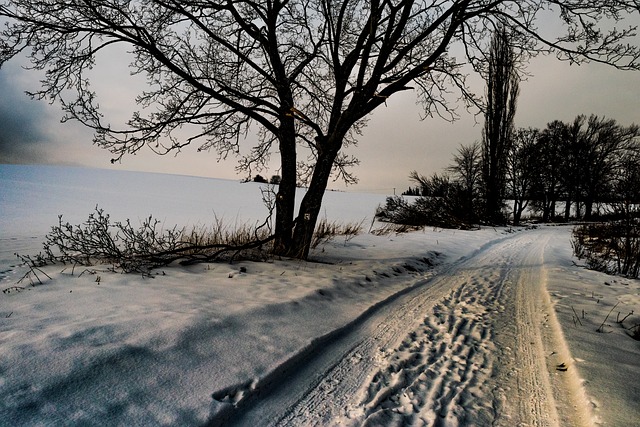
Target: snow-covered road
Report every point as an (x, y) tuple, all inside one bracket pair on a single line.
[(478, 344)]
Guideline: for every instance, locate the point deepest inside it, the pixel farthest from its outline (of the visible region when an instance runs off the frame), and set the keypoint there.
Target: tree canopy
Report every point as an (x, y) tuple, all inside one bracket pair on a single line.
[(302, 74)]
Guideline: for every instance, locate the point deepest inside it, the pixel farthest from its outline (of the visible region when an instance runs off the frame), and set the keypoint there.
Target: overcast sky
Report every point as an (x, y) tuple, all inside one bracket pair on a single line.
[(394, 143)]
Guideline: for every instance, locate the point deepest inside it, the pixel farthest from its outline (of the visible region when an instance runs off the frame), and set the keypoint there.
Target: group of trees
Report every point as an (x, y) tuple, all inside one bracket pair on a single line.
[(580, 163), (274, 180), (585, 163), (567, 169), (303, 75), (613, 178)]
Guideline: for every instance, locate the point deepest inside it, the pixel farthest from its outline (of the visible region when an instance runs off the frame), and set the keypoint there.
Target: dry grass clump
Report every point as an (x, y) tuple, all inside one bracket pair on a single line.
[(326, 231), (391, 228)]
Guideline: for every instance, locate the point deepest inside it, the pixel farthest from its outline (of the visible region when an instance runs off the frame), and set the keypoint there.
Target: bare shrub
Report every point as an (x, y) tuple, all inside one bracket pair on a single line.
[(221, 241), (138, 250), (439, 211), (129, 249), (611, 247)]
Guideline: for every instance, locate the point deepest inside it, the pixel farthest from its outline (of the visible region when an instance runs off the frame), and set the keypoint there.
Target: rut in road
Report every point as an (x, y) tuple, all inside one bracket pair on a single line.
[(464, 348), (439, 369), (440, 373)]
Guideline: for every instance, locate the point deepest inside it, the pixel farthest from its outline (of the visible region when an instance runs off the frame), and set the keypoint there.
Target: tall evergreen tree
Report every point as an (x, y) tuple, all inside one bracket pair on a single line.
[(501, 97)]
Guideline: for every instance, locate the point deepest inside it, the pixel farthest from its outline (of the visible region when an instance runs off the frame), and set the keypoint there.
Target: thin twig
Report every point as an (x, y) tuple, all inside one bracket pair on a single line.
[(625, 317), (574, 312), (600, 329)]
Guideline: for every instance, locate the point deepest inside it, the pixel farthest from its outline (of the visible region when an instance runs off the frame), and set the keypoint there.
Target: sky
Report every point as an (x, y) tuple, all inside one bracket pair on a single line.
[(395, 142)]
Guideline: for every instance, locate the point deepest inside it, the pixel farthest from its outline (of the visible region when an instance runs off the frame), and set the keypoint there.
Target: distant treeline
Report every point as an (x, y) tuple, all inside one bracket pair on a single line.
[(590, 167)]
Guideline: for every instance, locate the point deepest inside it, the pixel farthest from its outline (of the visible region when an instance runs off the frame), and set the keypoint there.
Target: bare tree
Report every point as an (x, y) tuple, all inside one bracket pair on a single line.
[(303, 74), (604, 144), (216, 68), (579, 161), (522, 161), (548, 172), (591, 150), (467, 171), (502, 95), (573, 161)]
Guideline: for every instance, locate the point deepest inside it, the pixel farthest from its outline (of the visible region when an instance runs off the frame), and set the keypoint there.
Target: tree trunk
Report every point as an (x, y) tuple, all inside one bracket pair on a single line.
[(470, 212), (545, 207), (518, 208), (588, 208), (286, 197), (491, 201), (567, 208), (628, 254), (310, 205), (578, 209)]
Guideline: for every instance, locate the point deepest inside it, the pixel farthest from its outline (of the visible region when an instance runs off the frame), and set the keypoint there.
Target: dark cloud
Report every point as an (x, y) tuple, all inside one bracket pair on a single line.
[(21, 122)]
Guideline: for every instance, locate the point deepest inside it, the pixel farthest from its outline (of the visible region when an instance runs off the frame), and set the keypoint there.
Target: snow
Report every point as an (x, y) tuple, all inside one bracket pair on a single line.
[(434, 327), (608, 360)]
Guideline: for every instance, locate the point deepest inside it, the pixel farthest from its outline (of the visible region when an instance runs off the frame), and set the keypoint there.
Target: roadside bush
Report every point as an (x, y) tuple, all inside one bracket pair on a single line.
[(138, 250), (611, 247), (436, 211), (398, 210), (443, 203), (129, 249)]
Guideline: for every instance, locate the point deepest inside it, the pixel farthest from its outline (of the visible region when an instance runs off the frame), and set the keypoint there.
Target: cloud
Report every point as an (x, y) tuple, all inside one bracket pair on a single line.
[(22, 135)]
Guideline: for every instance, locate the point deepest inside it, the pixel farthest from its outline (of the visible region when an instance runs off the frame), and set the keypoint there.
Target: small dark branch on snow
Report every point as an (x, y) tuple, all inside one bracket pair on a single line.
[(34, 265), (618, 320), (576, 314), (601, 328)]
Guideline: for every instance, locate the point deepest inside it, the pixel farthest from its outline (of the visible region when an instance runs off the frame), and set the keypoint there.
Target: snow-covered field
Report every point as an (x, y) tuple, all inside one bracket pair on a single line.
[(436, 327)]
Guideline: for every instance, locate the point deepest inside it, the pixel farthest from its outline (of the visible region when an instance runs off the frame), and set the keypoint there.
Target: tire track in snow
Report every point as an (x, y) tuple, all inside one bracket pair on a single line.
[(463, 348), (534, 394), (440, 373), (529, 379)]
